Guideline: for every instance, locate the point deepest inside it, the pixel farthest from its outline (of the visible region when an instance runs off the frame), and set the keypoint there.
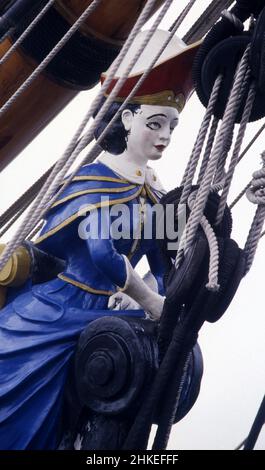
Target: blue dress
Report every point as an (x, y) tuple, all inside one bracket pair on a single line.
[(40, 326)]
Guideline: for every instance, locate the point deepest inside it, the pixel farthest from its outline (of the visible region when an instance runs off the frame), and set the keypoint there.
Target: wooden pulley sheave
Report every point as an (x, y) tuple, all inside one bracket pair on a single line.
[(77, 66)]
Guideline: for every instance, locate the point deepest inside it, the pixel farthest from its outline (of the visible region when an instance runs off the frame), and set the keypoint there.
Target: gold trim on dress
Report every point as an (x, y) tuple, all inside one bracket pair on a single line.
[(85, 287), (151, 195), (97, 178), (84, 210), (91, 191)]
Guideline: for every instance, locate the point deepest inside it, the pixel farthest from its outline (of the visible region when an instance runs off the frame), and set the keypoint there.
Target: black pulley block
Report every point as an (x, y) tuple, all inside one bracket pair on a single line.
[(257, 53), (231, 271), (115, 360), (223, 59)]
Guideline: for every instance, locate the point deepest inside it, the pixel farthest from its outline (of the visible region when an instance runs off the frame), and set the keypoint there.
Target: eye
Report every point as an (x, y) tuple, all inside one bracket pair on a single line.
[(154, 125)]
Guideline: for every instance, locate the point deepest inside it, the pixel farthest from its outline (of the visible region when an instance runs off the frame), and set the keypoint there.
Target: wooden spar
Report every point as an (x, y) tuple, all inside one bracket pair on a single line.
[(206, 20), (112, 21), (100, 38)]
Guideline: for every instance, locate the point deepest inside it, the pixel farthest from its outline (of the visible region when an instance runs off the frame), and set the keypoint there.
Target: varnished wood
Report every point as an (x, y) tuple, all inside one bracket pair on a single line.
[(30, 113), (111, 21)]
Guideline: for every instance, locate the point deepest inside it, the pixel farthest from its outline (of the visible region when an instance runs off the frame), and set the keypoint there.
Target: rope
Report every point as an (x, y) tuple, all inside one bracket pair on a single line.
[(182, 16), (256, 195), (240, 195), (234, 159), (253, 140), (196, 152), (14, 218), (228, 122), (26, 32), (208, 148), (166, 421), (50, 56), (248, 146), (25, 199), (220, 172), (212, 284), (259, 421), (65, 162)]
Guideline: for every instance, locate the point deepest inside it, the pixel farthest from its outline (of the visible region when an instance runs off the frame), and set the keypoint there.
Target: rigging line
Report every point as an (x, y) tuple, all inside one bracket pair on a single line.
[(228, 121), (240, 445), (259, 421), (208, 148), (240, 195), (182, 15), (249, 145), (256, 195), (26, 198), (14, 218), (26, 32), (206, 20), (234, 159), (253, 140), (29, 223), (50, 56), (196, 151)]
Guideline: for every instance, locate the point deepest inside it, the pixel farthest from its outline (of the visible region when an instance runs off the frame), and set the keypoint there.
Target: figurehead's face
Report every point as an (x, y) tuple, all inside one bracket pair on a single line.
[(149, 130)]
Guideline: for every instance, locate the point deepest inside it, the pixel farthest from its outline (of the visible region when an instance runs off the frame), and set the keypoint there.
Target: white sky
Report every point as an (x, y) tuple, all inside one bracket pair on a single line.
[(234, 348)]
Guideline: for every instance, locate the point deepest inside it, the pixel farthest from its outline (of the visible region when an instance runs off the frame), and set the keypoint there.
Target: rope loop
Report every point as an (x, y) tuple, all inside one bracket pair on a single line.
[(256, 192)]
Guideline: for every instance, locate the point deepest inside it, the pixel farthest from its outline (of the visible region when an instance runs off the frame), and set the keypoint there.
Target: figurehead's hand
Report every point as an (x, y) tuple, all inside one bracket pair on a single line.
[(122, 301)]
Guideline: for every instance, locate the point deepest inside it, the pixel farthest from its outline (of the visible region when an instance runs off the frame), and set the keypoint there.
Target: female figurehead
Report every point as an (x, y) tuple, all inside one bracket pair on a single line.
[(40, 326)]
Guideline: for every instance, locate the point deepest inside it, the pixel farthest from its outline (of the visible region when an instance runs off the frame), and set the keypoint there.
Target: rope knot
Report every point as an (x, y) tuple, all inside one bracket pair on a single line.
[(256, 191)]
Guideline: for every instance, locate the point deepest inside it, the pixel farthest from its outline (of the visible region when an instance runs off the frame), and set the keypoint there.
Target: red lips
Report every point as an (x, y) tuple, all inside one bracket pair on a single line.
[(160, 147)]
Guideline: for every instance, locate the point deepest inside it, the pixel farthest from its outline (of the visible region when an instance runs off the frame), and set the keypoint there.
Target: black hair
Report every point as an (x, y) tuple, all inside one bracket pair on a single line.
[(115, 139)]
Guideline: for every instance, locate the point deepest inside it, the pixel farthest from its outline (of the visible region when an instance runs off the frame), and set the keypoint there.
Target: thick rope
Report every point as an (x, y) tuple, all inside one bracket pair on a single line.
[(208, 148), (50, 56), (26, 32), (196, 152), (40, 203), (203, 192), (212, 284), (234, 159), (220, 172), (256, 195)]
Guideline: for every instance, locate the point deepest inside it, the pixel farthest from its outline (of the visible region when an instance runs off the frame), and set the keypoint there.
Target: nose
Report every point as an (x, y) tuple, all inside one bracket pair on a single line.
[(165, 135)]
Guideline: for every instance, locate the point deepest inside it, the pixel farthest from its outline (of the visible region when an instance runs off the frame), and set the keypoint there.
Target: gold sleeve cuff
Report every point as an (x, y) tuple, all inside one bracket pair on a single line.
[(17, 269)]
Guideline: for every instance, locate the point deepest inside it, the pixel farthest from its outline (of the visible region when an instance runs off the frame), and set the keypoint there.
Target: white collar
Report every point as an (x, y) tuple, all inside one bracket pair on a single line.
[(130, 171)]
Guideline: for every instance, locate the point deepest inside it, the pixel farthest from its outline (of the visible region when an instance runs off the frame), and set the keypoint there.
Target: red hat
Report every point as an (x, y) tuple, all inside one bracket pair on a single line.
[(169, 83)]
